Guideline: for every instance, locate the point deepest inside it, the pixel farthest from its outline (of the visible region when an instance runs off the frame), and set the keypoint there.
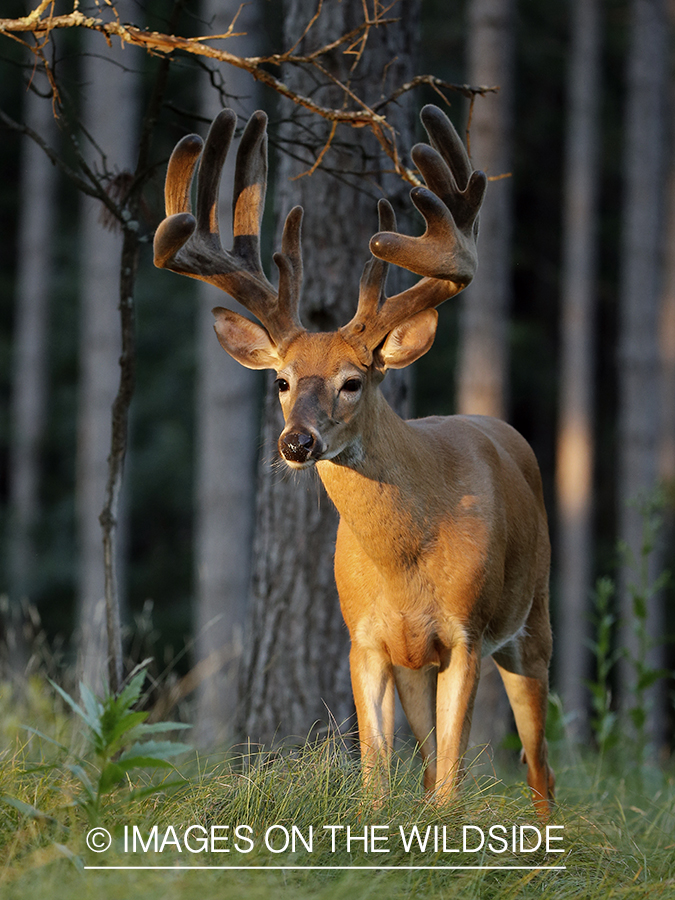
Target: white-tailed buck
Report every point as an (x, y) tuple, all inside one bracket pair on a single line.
[(442, 552)]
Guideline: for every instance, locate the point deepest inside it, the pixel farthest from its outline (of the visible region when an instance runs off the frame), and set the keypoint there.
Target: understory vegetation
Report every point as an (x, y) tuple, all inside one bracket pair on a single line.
[(298, 823), (96, 797)]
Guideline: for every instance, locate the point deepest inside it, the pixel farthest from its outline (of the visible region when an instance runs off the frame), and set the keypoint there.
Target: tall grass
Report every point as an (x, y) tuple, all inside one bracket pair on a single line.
[(298, 824), (617, 830)]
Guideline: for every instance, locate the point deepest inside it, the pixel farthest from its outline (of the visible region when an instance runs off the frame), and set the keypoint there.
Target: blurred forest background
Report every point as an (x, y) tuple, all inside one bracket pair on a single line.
[(223, 562)]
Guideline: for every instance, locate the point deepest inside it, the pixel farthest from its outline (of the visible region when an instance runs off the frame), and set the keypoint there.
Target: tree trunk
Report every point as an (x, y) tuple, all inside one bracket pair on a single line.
[(641, 272), (296, 670), (667, 331), (483, 363), (227, 439), (482, 376), (30, 357), (666, 461), (110, 83), (574, 458)]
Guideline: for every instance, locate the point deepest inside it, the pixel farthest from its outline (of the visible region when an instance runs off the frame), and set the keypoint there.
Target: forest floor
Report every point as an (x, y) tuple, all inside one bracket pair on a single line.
[(297, 824)]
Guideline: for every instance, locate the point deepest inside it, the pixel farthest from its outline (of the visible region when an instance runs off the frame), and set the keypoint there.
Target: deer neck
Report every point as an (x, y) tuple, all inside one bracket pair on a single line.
[(381, 479)]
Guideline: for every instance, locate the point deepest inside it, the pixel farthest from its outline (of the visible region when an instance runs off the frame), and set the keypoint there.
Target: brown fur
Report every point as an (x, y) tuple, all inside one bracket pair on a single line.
[(442, 554)]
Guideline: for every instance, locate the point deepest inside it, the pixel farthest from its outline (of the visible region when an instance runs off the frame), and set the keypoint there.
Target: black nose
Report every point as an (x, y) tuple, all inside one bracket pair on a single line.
[(296, 446)]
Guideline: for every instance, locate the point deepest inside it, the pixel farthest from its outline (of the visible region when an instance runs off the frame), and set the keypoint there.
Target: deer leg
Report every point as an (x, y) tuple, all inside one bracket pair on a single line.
[(373, 687), (527, 691), (417, 692), (456, 692)]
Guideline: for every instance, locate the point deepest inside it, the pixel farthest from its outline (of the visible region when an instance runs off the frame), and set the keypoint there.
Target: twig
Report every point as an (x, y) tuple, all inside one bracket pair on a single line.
[(38, 25), (93, 188), (467, 90), (317, 161), (308, 27)]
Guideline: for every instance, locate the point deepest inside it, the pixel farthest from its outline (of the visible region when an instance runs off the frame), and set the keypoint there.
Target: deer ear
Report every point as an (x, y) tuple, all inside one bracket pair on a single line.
[(245, 341), (408, 341)]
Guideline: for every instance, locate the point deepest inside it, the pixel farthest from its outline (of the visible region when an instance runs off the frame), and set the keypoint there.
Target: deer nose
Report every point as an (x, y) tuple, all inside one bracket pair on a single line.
[(295, 446)]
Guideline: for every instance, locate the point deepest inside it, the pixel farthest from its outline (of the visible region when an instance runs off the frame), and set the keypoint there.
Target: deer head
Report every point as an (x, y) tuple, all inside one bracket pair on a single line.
[(326, 380)]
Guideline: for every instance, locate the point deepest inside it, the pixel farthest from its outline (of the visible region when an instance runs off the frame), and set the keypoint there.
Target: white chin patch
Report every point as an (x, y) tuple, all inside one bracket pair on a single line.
[(298, 465)]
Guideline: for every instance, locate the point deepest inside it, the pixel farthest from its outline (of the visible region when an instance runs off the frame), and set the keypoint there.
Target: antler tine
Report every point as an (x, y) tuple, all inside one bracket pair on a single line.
[(445, 255), (175, 230), (372, 285), (450, 204), (192, 246), (289, 263), (445, 140), (467, 188), (250, 187), (374, 279), (211, 164), (181, 167)]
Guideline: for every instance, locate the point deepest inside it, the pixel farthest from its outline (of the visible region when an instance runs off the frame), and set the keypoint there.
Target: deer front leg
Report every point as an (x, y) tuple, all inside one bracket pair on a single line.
[(456, 691), (373, 688)]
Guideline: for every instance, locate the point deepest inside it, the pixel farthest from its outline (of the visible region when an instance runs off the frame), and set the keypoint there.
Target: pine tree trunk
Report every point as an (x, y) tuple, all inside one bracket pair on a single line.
[(482, 376), (296, 671), (667, 358), (227, 439), (574, 460), (110, 83), (30, 356), (641, 274), (667, 330)]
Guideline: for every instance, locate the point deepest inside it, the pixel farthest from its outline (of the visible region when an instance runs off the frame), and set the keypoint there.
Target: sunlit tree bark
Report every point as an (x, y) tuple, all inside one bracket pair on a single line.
[(640, 286), (482, 375), (574, 456)]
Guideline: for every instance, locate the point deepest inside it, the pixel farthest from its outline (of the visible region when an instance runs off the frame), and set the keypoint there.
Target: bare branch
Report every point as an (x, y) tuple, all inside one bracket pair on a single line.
[(93, 187), (41, 22), (321, 155), (467, 90)]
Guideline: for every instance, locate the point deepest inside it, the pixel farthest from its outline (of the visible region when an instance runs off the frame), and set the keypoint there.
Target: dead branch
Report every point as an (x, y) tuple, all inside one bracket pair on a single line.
[(94, 187), (41, 22), (467, 90)]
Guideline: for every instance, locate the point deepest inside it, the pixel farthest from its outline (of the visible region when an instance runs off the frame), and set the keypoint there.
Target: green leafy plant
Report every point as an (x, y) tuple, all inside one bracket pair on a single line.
[(121, 742), (603, 720), (642, 590)]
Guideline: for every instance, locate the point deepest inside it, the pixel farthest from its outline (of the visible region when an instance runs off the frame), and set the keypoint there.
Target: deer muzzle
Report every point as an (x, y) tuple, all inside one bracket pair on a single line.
[(300, 448)]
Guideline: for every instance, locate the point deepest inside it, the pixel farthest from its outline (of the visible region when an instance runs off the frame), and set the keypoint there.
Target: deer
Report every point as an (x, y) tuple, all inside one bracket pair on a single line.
[(442, 553)]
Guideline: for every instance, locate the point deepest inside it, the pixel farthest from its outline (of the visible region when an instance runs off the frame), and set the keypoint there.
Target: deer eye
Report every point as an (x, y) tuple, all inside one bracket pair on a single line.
[(282, 385), (352, 385)]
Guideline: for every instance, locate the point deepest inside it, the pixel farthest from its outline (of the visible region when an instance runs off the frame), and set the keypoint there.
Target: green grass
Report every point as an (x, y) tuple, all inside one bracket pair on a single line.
[(618, 825)]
